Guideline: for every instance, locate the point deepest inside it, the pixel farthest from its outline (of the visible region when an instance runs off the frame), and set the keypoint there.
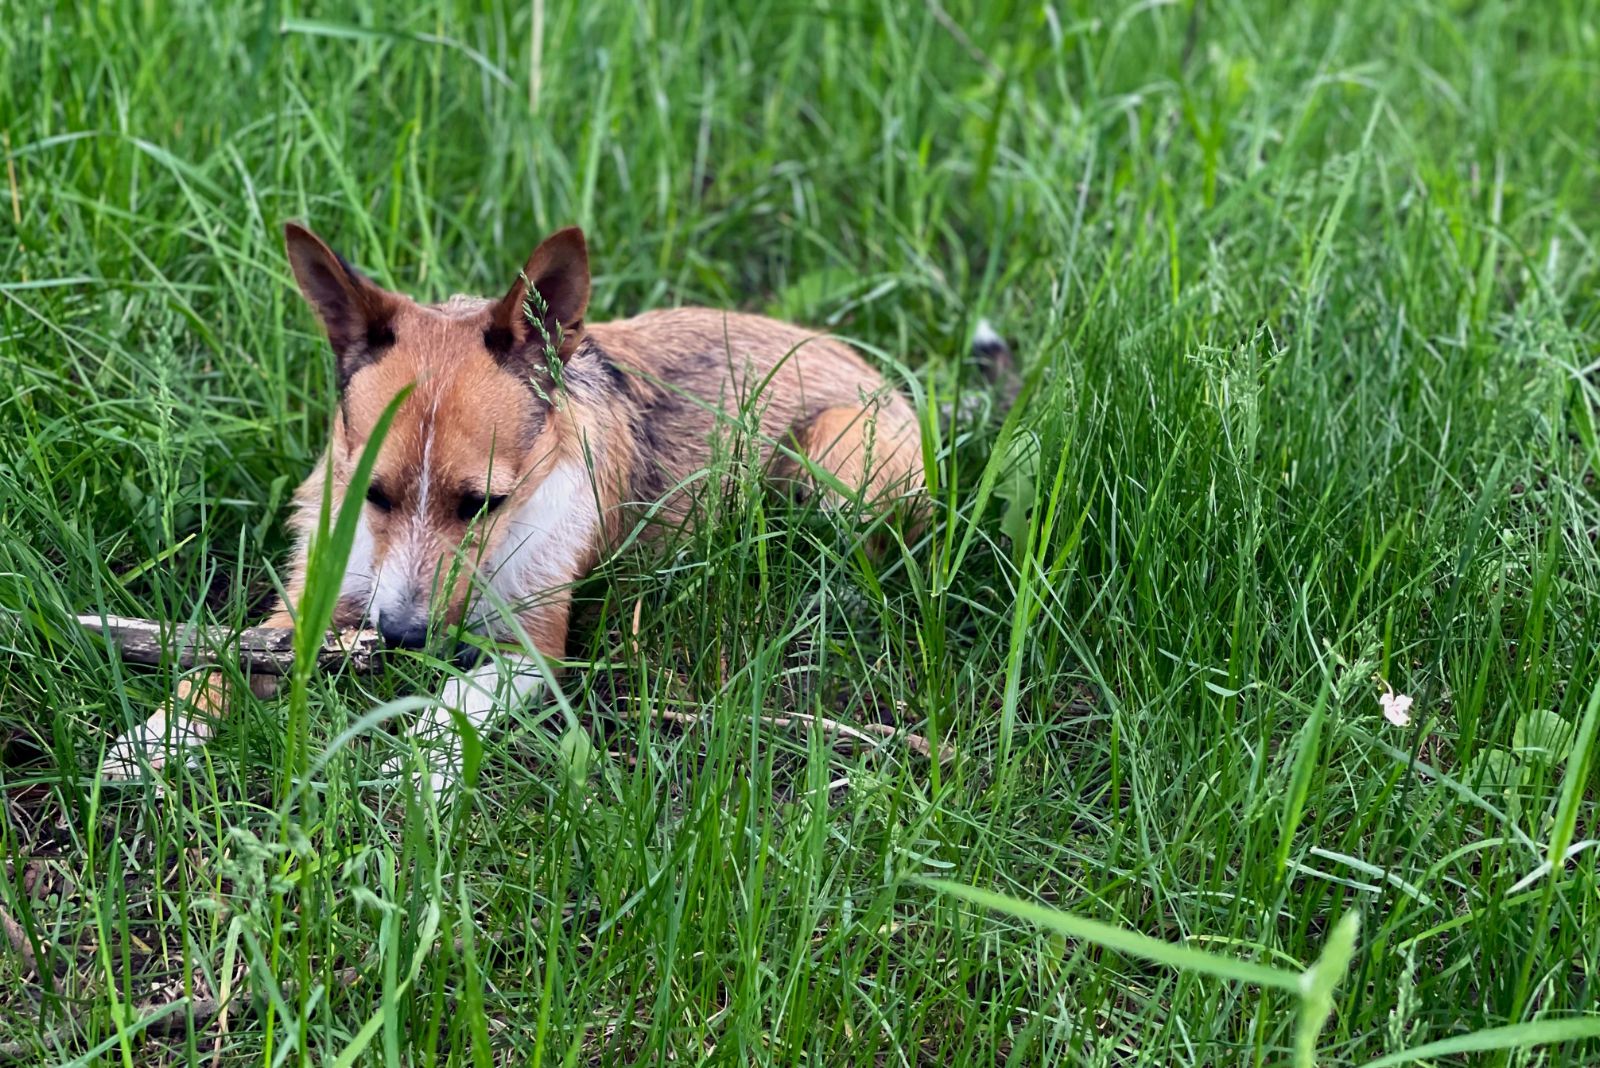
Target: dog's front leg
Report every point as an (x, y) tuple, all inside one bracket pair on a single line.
[(481, 695), (184, 722)]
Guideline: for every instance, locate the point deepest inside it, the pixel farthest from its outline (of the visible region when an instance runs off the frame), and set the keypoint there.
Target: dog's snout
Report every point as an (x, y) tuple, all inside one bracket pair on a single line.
[(403, 631)]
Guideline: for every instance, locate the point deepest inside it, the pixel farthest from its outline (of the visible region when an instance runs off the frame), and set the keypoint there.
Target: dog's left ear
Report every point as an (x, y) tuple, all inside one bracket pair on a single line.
[(522, 323)]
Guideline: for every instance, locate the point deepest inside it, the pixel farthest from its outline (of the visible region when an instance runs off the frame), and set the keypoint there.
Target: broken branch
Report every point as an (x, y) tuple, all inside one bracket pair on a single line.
[(865, 733), (264, 650)]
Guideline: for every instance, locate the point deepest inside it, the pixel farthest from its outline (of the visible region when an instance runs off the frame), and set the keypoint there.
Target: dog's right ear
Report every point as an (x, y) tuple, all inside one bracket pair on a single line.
[(357, 314)]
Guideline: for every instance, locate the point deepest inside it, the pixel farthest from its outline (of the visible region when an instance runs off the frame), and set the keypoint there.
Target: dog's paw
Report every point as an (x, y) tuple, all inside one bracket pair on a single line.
[(131, 757), (148, 748)]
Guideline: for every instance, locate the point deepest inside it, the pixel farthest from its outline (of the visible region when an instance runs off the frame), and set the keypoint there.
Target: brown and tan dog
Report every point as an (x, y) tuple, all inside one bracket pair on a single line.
[(532, 441)]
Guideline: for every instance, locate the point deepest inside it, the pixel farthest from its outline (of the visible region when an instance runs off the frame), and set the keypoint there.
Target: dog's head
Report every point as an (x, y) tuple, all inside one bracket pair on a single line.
[(469, 447)]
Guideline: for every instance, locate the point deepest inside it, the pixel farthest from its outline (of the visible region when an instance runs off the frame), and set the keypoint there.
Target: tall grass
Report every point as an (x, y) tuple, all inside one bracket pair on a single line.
[(1307, 300)]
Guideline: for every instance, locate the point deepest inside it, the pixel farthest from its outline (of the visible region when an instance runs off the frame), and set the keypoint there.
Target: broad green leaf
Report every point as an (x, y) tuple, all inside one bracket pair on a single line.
[(814, 294), (1542, 737), (1018, 486), (577, 755), (1499, 775)]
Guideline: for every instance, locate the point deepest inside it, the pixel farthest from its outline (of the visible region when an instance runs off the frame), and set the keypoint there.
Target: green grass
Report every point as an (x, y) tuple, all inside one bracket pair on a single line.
[(1311, 295)]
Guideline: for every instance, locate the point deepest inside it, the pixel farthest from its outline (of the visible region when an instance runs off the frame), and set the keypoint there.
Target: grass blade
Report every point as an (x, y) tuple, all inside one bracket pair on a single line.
[(1122, 940), (1510, 1037)]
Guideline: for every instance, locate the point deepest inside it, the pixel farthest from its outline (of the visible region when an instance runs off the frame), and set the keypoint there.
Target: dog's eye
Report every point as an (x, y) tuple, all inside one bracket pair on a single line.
[(379, 499), (473, 505)]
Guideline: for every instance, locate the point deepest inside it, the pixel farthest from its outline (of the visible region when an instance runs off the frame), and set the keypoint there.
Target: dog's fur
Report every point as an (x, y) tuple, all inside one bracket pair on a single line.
[(531, 441)]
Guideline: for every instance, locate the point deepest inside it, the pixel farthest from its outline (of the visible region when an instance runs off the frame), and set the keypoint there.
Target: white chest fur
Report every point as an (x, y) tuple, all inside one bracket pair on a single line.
[(545, 541)]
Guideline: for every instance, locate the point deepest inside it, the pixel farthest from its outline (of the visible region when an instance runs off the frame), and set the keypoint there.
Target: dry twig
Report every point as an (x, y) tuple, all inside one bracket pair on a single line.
[(18, 938), (865, 733), (264, 650)]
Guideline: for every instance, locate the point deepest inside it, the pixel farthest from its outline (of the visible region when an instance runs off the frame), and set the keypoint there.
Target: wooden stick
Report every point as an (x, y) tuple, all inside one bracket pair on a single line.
[(264, 650), (863, 733), (270, 651), (18, 937)]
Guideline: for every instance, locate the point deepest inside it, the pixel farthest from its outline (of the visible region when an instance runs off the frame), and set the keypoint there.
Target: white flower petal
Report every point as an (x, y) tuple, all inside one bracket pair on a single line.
[(1396, 708)]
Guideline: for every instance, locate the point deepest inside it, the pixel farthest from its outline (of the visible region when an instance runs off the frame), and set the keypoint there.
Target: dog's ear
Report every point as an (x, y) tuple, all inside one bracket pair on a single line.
[(357, 314), (522, 323)]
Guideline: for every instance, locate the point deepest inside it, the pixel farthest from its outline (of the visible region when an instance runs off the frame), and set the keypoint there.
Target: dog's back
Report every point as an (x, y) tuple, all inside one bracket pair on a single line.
[(697, 375)]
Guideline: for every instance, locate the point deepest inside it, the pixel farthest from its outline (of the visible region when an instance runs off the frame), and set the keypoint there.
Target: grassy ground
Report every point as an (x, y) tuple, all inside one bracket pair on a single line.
[(1310, 298)]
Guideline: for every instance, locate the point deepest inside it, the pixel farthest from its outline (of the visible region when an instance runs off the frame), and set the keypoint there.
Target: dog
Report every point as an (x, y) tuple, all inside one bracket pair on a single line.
[(533, 441)]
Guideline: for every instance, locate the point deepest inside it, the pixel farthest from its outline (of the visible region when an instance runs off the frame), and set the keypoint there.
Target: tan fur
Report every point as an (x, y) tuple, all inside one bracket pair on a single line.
[(706, 370), (636, 405)]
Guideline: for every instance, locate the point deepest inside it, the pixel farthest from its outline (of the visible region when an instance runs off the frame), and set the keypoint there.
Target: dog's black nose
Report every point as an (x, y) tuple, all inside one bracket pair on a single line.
[(403, 632)]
